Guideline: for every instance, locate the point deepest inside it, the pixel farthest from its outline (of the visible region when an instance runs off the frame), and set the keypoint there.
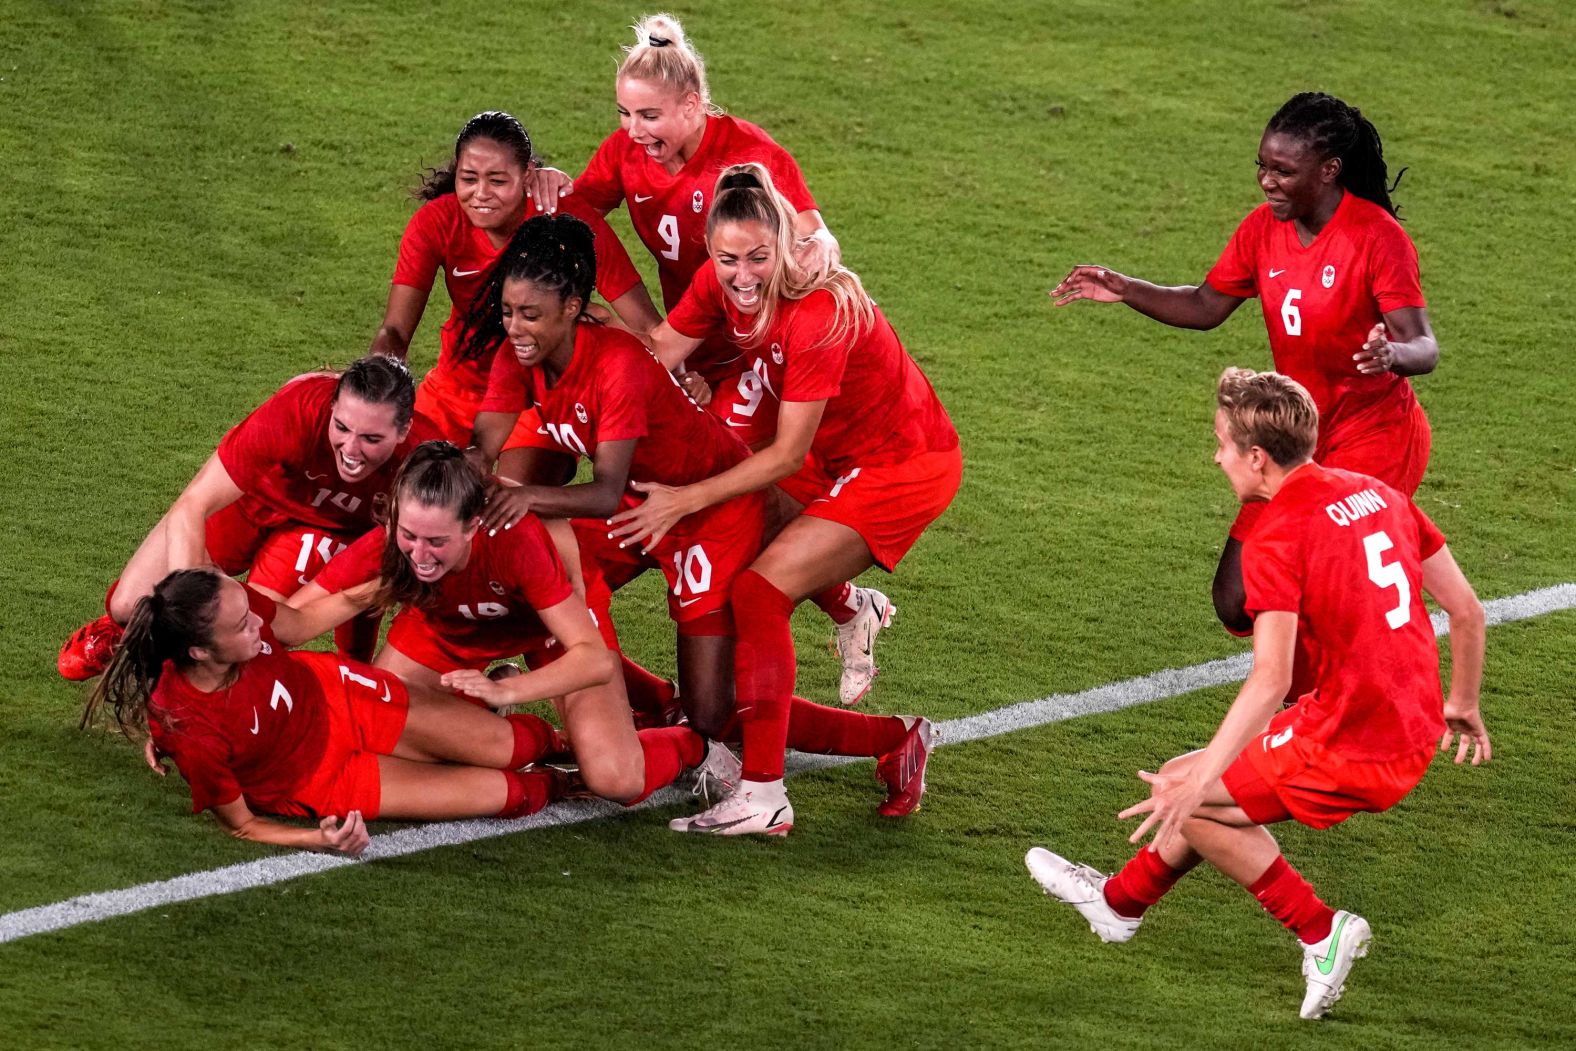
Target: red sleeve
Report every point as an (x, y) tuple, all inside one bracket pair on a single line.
[(624, 389), (537, 563), (1234, 273), (270, 435), (360, 562), (1272, 570), (701, 312), (1392, 260), (615, 272), (204, 761), (506, 390), (421, 249), (789, 180), (601, 185), (814, 367), (1429, 538)]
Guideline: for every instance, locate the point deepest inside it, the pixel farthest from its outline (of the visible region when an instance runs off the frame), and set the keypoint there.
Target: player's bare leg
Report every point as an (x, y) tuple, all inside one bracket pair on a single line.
[(439, 792)]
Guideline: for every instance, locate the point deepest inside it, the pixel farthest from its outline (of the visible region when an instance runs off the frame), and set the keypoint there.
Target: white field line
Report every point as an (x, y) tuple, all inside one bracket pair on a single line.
[(1161, 685)]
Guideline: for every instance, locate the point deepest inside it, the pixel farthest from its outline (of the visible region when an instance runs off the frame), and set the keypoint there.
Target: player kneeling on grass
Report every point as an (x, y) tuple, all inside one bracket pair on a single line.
[(255, 728), (1352, 557)]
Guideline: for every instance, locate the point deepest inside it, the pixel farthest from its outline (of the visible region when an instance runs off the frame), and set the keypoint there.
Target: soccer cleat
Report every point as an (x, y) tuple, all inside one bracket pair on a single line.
[(855, 643), (1327, 963), (87, 653), (718, 773), (903, 768), (755, 807), (1084, 889)]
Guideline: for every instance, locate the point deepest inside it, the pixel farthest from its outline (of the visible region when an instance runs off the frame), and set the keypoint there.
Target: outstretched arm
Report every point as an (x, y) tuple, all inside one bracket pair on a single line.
[(1181, 306), (1403, 343), (586, 662), (186, 527), (400, 318), (312, 610), (329, 836), (1448, 586), (597, 498)]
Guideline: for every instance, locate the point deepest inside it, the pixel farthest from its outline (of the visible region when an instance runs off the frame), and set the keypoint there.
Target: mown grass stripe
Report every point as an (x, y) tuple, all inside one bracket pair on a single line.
[(1158, 686)]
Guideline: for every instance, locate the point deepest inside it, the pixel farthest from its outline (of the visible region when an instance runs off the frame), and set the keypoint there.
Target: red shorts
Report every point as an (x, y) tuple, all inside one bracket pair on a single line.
[(890, 506), (1397, 455), (367, 709), (1281, 776), (281, 559), (807, 483), (414, 636), (700, 557)]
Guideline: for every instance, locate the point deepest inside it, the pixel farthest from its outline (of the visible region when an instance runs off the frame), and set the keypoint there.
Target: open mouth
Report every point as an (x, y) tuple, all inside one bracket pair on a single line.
[(427, 570), (747, 296), (351, 467), (525, 353)]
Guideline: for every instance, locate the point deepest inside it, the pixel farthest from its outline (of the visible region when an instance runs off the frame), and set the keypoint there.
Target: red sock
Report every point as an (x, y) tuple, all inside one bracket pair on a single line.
[(534, 737), (669, 751), (837, 602), (833, 731), (529, 791), (358, 636), (764, 673), (1142, 882), (650, 696), (1290, 898)]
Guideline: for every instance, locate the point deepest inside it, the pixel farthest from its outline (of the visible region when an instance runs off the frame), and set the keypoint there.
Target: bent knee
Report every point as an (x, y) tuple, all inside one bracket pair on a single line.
[(619, 781)]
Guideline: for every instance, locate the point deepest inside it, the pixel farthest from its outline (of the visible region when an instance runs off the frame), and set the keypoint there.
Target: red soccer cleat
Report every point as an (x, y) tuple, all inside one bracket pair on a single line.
[(903, 769), (88, 651)]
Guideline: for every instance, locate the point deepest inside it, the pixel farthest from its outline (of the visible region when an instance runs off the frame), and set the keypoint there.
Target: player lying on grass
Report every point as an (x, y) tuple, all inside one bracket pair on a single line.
[(255, 729), (602, 395), (1352, 557), (852, 399), (288, 487), (1338, 281), (469, 597)]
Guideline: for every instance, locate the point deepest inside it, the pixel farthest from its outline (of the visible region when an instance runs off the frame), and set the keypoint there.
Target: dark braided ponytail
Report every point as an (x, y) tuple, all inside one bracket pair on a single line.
[(164, 627), (493, 125), (557, 252), (1331, 128)]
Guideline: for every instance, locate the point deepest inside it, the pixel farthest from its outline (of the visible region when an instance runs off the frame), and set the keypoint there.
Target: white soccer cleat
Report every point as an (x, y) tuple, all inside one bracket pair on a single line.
[(855, 643), (718, 774), (1327, 963), (1084, 889), (755, 808)]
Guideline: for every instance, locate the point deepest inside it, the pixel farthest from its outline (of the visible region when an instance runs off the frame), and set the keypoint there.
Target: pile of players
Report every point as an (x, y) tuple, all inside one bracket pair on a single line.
[(763, 444)]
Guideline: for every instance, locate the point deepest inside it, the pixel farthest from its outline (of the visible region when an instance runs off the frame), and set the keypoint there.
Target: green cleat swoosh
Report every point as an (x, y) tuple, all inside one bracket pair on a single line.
[(1326, 963)]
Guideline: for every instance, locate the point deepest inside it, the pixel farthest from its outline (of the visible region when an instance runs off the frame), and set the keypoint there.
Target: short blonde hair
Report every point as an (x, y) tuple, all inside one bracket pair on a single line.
[(1269, 410), (663, 54)]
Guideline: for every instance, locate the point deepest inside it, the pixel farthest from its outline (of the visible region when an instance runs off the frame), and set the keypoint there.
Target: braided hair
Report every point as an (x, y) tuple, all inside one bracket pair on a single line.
[(493, 125), (556, 252), (1331, 128), (164, 627)]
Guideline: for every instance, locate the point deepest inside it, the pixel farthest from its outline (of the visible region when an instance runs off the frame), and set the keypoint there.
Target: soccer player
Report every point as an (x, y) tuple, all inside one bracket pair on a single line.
[(470, 596), (289, 486), (203, 669), (1348, 558), (473, 206), (850, 396), (1342, 301)]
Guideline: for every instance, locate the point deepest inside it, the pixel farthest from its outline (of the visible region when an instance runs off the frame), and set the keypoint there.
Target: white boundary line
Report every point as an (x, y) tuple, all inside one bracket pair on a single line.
[(1161, 685)]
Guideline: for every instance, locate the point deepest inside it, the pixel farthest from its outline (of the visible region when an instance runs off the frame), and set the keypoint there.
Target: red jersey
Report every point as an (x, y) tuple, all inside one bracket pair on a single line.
[(488, 606), (615, 389), (1344, 552), (280, 458), (441, 234), (1320, 302), (880, 408), (258, 738)]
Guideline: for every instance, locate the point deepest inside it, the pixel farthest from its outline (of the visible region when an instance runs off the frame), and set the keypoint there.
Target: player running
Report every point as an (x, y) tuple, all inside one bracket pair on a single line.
[(289, 486), (1349, 558), (850, 396), (472, 208), (203, 668), (1342, 301)]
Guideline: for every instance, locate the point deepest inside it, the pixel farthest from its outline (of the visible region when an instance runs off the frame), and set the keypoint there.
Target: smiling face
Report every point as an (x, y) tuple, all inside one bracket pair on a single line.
[(236, 635), (1243, 469), (745, 255), (363, 435), (667, 124), (433, 538), (490, 185), (1296, 182), (539, 323)]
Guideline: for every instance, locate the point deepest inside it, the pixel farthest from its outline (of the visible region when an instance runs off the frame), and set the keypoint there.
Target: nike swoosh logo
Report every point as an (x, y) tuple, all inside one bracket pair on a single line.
[(464, 273), (315, 477), (255, 723), (736, 423), (1326, 964), (683, 602), (386, 693), (773, 822), (642, 200), (740, 335), (1277, 273)]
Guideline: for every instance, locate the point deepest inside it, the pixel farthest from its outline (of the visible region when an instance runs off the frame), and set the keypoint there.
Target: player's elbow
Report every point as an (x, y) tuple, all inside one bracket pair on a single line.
[(1467, 614)]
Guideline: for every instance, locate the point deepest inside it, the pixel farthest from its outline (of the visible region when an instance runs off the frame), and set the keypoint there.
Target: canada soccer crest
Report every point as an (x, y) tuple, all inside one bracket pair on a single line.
[(699, 202), (497, 588), (580, 412), (1328, 277)]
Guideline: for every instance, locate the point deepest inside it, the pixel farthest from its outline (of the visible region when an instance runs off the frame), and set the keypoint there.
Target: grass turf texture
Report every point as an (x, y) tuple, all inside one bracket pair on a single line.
[(202, 202)]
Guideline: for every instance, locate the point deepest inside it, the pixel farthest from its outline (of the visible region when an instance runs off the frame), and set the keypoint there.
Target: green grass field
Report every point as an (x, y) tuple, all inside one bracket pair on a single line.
[(203, 200)]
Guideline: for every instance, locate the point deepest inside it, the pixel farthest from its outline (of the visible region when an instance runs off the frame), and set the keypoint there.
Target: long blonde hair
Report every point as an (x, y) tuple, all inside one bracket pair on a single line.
[(662, 53), (745, 193)]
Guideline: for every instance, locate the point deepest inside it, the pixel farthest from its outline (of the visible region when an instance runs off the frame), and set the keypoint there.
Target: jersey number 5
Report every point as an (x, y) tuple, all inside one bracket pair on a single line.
[(1389, 575)]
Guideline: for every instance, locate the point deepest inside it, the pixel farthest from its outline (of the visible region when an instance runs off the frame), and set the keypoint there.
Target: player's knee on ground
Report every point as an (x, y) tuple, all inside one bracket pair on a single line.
[(612, 779)]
